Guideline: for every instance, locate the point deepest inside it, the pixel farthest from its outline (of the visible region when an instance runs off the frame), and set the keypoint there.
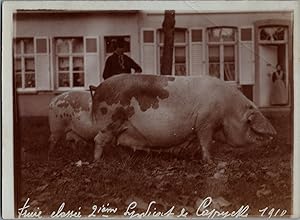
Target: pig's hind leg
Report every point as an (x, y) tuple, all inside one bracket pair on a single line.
[(204, 136), (75, 140), (53, 139)]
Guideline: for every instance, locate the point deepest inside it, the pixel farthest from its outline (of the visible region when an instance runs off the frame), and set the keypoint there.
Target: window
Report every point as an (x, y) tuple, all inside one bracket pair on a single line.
[(91, 45), (246, 34), (272, 34), (179, 53), (148, 51), (222, 52), (70, 62), (196, 35), (24, 63), (148, 36)]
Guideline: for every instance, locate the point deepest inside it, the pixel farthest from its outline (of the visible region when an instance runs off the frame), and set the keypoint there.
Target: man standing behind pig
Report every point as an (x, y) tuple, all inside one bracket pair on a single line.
[(119, 63)]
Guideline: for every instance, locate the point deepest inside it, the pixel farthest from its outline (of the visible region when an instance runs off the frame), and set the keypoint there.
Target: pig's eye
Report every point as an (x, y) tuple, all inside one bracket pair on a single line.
[(249, 119)]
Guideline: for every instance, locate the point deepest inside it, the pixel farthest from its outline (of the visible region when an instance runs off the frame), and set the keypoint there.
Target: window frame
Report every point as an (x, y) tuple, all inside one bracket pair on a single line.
[(152, 44), (202, 44), (221, 44), (70, 56), (23, 56), (273, 41), (176, 44), (250, 45)]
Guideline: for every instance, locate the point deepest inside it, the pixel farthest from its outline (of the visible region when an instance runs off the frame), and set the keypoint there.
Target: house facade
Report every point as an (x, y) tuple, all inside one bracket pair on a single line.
[(60, 51)]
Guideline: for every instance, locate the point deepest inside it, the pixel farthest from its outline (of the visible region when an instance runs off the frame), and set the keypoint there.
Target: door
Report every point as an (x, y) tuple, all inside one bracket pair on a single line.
[(268, 58)]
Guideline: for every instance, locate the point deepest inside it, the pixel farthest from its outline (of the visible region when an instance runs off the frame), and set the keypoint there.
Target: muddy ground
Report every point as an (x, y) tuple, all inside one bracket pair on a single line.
[(259, 177)]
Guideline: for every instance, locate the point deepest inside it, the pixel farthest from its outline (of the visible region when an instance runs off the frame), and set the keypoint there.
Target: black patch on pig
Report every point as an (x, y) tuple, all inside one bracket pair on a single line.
[(103, 110), (122, 114), (146, 89), (119, 116)]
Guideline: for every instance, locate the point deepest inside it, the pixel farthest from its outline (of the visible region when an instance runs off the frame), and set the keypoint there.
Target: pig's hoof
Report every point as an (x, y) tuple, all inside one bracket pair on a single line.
[(208, 160), (96, 160)]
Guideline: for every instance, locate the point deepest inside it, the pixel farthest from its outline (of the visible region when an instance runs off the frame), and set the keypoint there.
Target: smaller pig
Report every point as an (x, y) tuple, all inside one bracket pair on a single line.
[(69, 116)]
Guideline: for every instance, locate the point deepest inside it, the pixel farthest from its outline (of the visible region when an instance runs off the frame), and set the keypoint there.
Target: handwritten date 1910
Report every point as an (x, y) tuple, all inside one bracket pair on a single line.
[(272, 212)]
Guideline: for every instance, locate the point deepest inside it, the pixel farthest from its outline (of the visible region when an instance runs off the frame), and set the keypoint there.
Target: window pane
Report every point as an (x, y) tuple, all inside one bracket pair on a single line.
[(63, 80), (229, 64), (148, 36), (229, 70), (41, 45), (214, 69), (228, 53), (179, 36), (29, 80), (17, 65), (63, 63), (77, 63), (18, 46), (196, 35), (18, 80), (214, 54), (179, 54), (29, 65), (78, 79), (214, 34), (161, 37), (28, 45), (228, 34), (279, 33), (62, 46), (246, 34), (214, 61), (180, 70), (77, 45), (272, 33), (91, 45)]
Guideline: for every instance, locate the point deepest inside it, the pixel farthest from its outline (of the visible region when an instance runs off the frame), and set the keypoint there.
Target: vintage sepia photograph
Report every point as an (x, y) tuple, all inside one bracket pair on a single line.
[(133, 112)]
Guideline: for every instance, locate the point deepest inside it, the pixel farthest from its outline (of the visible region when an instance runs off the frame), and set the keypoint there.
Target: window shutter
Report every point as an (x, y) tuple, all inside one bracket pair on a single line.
[(148, 51), (42, 64), (196, 42), (91, 61), (247, 56)]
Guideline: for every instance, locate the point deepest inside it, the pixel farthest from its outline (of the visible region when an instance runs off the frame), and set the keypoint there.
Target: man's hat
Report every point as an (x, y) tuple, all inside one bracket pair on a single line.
[(120, 43)]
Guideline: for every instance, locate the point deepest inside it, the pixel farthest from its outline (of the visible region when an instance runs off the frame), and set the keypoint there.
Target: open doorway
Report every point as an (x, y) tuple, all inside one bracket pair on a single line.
[(269, 56)]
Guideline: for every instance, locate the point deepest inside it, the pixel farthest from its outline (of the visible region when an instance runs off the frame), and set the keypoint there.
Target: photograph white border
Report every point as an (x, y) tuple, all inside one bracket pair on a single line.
[(9, 7)]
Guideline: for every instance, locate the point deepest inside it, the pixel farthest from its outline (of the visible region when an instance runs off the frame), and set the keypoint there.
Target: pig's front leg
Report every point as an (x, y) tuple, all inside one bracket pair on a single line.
[(102, 139), (205, 140)]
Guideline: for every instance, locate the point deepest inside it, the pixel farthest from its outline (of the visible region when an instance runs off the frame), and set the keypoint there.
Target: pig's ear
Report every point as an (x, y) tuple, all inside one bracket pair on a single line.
[(92, 89), (255, 121), (259, 123)]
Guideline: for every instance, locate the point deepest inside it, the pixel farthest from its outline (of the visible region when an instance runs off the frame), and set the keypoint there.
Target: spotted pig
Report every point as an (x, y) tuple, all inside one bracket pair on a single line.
[(160, 112), (70, 116)]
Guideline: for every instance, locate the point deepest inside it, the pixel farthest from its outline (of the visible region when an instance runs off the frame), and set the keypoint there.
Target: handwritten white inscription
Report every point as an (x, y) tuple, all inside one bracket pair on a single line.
[(61, 213), (204, 210), (150, 212), (24, 213)]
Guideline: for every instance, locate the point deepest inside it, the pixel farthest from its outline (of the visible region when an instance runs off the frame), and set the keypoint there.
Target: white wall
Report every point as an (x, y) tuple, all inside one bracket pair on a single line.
[(81, 24), (208, 20)]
